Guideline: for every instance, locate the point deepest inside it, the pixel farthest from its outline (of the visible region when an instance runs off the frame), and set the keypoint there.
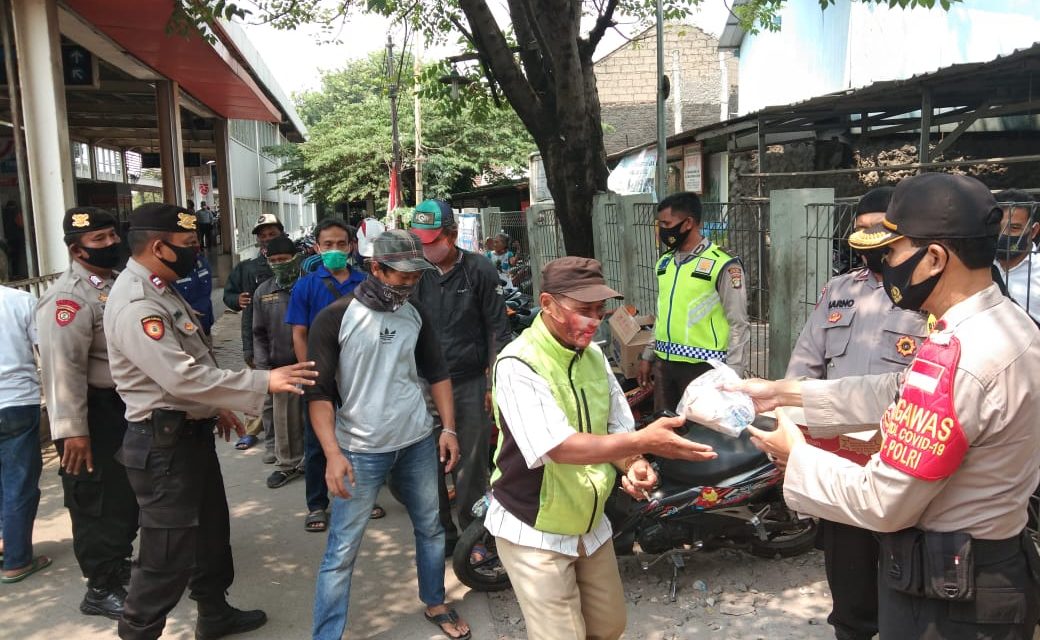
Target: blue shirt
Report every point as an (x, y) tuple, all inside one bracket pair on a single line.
[(197, 288), (311, 294)]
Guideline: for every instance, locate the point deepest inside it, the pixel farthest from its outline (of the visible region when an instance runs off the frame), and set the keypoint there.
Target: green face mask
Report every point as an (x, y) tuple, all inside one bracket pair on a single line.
[(334, 259), (287, 272)]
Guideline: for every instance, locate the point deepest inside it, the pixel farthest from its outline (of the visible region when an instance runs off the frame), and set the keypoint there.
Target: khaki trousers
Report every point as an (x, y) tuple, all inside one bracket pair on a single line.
[(288, 430), (563, 597)]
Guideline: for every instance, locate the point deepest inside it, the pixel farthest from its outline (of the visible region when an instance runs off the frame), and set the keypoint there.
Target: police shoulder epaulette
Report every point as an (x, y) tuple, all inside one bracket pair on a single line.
[(136, 290)]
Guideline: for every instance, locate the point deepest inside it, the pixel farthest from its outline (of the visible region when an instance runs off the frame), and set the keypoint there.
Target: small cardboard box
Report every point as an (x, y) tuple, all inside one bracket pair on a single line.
[(628, 339)]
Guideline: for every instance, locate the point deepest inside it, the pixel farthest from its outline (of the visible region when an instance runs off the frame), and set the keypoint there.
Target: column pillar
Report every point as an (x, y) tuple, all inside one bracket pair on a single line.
[(48, 154), (171, 148), (225, 195)]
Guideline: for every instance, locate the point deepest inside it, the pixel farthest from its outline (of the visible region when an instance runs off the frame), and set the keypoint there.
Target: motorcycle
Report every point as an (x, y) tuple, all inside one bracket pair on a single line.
[(734, 501), (520, 309)]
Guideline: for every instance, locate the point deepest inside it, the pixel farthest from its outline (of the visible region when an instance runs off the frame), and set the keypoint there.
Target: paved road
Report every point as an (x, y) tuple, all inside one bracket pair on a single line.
[(275, 560)]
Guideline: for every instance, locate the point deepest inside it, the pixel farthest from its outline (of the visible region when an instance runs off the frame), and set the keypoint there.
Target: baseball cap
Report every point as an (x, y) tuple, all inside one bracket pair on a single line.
[(79, 220), (578, 278), (934, 206), (400, 250), (281, 245), (368, 231), (158, 216), (266, 219), (430, 217)]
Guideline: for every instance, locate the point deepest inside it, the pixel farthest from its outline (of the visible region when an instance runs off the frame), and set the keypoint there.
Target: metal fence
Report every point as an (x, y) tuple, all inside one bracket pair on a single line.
[(827, 251), (35, 286), (514, 225)]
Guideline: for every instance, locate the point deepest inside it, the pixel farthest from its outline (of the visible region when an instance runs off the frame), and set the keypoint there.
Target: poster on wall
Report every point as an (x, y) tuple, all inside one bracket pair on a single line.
[(202, 191), (693, 170), (469, 231), (635, 173)]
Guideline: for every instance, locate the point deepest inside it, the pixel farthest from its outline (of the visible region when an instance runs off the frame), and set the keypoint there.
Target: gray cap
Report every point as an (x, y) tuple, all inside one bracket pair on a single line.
[(400, 250)]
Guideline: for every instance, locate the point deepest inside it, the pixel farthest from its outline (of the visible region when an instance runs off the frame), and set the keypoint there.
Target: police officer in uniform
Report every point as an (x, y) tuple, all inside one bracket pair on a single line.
[(86, 413), (166, 373), (701, 305), (959, 456), (855, 330)]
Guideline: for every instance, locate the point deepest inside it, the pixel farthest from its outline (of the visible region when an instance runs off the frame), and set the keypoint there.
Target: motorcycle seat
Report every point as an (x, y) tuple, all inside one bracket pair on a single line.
[(736, 455)]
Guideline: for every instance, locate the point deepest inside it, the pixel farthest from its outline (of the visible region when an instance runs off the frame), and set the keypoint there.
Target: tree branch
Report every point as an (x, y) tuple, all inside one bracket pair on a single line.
[(604, 22), (530, 49)]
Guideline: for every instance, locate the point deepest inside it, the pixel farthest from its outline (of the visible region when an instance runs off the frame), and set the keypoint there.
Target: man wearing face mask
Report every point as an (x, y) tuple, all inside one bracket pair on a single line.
[(165, 371), (1017, 257), (86, 413), (855, 330), (273, 347), (463, 297), (565, 430), (335, 241), (701, 305), (372, 345), (960, 454)]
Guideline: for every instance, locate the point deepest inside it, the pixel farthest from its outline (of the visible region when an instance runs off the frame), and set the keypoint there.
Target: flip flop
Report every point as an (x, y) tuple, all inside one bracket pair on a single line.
[(38, 563), (450, 617), (377, 513), (246, 442), (316, 521)]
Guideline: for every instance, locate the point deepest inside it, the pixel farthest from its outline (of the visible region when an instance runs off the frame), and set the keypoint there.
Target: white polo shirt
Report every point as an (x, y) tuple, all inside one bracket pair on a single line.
[(1023, 283), (19, 380)]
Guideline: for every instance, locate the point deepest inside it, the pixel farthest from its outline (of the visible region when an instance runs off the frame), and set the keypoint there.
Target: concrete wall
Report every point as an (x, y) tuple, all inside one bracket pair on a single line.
[(627, 77)]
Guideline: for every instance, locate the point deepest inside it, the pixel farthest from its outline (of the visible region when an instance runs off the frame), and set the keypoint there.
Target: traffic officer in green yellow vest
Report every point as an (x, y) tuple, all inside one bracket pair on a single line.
[(701, 305), (565, 430)]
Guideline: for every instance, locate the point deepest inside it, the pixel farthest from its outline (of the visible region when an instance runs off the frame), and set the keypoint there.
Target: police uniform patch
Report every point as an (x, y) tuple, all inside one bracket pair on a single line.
[(96, 281), (736, 277), (834, 317), (895, 294), (157, 281), (906, 346), (704, 266), (153, 327), (80, 220), (189, 326), (102, 298), (65, 311), (186, 221)]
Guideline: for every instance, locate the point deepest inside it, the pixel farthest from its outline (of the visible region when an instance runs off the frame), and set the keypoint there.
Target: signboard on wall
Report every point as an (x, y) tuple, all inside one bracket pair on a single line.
[(79, 67), (693, 168), (635, 173)]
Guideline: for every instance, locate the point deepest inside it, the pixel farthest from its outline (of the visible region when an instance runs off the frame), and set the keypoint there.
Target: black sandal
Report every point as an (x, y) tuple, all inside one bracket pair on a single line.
[(377, 512), (449, 617), (316, 521)]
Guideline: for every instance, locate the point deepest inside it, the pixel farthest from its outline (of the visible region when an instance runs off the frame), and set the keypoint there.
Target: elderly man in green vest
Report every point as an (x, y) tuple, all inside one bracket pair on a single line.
[(701, 305), (565, 430)]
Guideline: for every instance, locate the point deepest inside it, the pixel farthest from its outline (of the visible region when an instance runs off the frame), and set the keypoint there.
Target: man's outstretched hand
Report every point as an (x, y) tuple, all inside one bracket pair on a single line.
[(289, 379), (660, 439)]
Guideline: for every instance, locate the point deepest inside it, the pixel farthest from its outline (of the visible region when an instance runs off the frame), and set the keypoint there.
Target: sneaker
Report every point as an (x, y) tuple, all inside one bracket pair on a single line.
[(280, 478)]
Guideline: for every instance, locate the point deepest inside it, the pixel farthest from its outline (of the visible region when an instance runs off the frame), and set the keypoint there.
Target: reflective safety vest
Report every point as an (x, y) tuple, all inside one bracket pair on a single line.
[(556, 498), (691, 323)]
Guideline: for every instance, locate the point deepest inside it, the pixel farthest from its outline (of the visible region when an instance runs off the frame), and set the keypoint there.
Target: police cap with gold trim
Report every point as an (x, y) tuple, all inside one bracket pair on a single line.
[(934, 206), (84, 219), (157, 216)]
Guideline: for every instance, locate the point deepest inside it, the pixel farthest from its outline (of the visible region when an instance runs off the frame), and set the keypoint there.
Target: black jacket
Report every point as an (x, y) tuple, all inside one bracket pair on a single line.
[(466, 307), (245, 278)]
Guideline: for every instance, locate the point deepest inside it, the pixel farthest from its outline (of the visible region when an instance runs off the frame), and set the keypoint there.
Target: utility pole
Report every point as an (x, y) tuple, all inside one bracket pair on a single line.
[(662, 152), (395, 169), (418, 120)]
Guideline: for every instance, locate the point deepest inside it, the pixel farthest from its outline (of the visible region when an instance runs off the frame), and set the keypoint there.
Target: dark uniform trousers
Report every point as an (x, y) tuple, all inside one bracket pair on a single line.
[(671, 380), (474, 435), (1006, 604), (852, 560), (185, 529), (101, 504)]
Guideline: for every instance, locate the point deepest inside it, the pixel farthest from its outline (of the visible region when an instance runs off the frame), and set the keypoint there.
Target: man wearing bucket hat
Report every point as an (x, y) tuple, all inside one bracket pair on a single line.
[(368, 413), (959, 456), (557, 459)]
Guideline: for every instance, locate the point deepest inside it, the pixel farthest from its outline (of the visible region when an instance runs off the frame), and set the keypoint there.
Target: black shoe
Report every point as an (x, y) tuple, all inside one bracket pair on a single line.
[(104, 601), (124, 572), (227, 622)]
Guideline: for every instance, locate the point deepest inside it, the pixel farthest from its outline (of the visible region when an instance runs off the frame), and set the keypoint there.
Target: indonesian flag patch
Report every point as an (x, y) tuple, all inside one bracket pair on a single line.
[(65, 311), (153, 327)]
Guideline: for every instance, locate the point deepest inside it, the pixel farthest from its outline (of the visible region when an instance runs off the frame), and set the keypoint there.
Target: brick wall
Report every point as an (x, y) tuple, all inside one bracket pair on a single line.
[(626, 79)]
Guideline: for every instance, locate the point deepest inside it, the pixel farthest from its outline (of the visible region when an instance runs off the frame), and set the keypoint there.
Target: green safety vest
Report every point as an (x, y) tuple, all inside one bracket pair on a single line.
[(569, 498), (691, 323)]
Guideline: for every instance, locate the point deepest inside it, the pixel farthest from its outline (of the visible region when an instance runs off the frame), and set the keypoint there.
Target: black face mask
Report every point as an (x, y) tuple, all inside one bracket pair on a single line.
[(897, 282), (672, 237), (102, 258), (1011, 246), (873, 259), (184, 264)]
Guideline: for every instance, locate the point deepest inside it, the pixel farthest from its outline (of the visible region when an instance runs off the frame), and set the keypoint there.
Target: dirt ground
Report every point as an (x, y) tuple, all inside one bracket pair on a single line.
[(722, 593)]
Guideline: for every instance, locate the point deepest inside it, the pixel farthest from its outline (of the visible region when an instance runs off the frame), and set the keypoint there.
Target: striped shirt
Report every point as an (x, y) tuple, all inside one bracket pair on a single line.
[(539, 425)]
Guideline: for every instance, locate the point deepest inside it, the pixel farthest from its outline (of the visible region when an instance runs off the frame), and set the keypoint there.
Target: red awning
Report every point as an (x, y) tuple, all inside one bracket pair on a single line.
[(210, 73)]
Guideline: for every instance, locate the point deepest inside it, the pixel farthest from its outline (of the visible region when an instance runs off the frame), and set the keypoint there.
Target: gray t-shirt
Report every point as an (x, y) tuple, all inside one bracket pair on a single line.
[(369, 363)]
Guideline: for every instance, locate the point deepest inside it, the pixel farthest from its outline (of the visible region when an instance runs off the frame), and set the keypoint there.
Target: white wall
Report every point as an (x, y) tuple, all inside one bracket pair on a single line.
[(853, 44)]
